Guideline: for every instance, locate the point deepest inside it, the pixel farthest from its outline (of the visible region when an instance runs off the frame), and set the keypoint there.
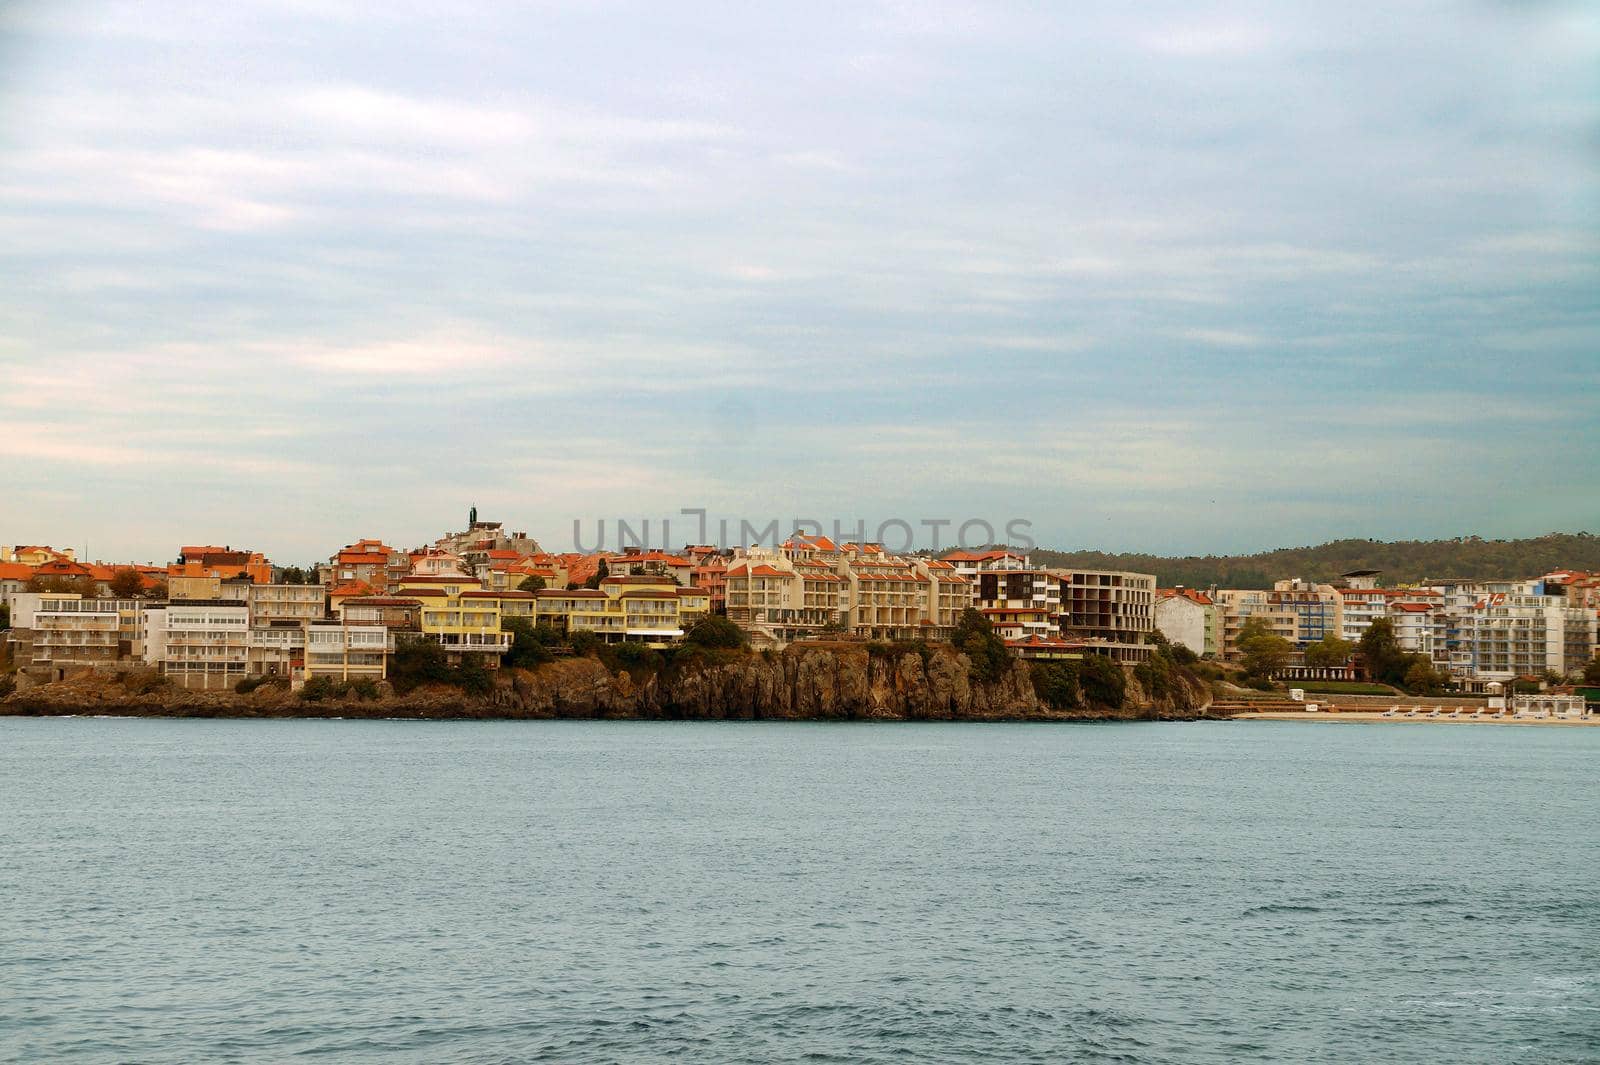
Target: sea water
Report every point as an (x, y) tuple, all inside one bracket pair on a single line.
[(242, 891)]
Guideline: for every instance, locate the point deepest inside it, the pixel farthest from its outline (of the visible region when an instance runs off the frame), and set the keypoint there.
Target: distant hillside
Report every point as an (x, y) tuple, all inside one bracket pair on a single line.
[(1402, 562)]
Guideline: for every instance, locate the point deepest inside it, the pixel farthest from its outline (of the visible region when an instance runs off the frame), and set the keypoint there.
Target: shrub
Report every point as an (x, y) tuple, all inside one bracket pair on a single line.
[(1103, 681), (1056, 683), (583, 642), (1157, 675), (317, 689), (716, 632), (530, 644), (988, 653)]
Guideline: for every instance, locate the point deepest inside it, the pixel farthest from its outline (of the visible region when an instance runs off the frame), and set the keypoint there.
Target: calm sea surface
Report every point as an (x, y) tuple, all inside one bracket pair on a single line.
[(594, 892)]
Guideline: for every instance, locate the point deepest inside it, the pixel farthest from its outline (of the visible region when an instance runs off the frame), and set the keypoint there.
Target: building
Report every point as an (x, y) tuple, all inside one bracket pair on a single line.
[(222, 562), (645, 608), (294, 603), (969, 563), (35, 555), (347, 652), (1019, 603), (638, 562), (395, 613), (462, 617), (1189, 618), (369, 562), (480, 537), (203, 644), (279, 616), (1299, 611), (1501, 630), (1114, 611), (54, 635), (14, 578)]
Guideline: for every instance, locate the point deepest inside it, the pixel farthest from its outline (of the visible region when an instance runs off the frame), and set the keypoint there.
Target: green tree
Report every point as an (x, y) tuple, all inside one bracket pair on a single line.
[(601, 572), (583, 642), (1381, 654), (1330, 652), (531, 583), (716, 632), (126, 583), (1102, 680), (976, 638), (528, 646), (419, 660), (1421, 678), (473, 676), (1056, 683), (1262, 652), (1591, 672)]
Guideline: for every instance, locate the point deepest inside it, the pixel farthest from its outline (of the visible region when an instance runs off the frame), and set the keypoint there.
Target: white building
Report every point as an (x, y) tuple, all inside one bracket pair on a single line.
[(1190, 619), (199, 643)]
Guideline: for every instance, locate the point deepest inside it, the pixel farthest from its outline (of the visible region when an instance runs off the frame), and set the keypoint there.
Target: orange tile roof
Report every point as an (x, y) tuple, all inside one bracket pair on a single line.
[(15, 571), (60, 567)]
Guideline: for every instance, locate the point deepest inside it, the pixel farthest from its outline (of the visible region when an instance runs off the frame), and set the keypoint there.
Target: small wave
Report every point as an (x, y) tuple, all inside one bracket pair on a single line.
[(1282, 907)]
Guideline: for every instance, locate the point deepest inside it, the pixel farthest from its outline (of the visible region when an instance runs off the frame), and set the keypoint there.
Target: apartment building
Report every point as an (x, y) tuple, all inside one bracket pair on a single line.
[(395, 613), (641, 608), (14, 578), (1509, 630), (1299, 611), (202, 644), (638, 562), (347, 652), (1115, 610), (1019, 603), (710, 574), (969, 564), (369, 562), (54, 635), (272, 604), (1189, 618), (462, 617), (223, 562)]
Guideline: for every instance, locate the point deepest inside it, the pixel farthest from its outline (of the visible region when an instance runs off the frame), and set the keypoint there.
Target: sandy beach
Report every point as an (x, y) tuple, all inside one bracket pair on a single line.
[(1367, 716)]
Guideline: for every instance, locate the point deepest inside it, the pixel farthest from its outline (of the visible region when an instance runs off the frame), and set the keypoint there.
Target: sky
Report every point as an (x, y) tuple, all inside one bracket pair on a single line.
[(1163, 277)]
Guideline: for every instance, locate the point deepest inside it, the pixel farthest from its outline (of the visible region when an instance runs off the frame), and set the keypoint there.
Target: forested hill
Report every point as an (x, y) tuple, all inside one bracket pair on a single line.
[(1401, 562)]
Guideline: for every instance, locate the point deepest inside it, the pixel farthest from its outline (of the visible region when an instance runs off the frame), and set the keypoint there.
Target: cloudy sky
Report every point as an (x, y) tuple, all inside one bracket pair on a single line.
[(1156, 276)]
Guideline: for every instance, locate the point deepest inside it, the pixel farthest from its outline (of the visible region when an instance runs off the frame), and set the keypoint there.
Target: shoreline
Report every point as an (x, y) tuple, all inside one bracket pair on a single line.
[(1359, 717)]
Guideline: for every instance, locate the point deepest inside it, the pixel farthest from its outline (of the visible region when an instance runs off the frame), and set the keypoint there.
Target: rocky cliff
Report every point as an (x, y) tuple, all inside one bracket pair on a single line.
[(799, 683)]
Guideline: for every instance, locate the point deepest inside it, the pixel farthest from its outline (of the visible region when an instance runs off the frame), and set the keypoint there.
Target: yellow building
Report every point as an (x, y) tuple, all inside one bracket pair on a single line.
[(647, 609), (462, 617)]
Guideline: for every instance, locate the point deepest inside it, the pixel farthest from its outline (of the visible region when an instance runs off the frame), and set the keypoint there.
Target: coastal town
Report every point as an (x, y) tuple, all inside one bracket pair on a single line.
[(222, 618)]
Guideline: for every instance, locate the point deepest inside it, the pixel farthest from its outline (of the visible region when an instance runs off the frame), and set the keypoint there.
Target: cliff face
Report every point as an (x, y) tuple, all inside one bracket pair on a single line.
[(800, 683)]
